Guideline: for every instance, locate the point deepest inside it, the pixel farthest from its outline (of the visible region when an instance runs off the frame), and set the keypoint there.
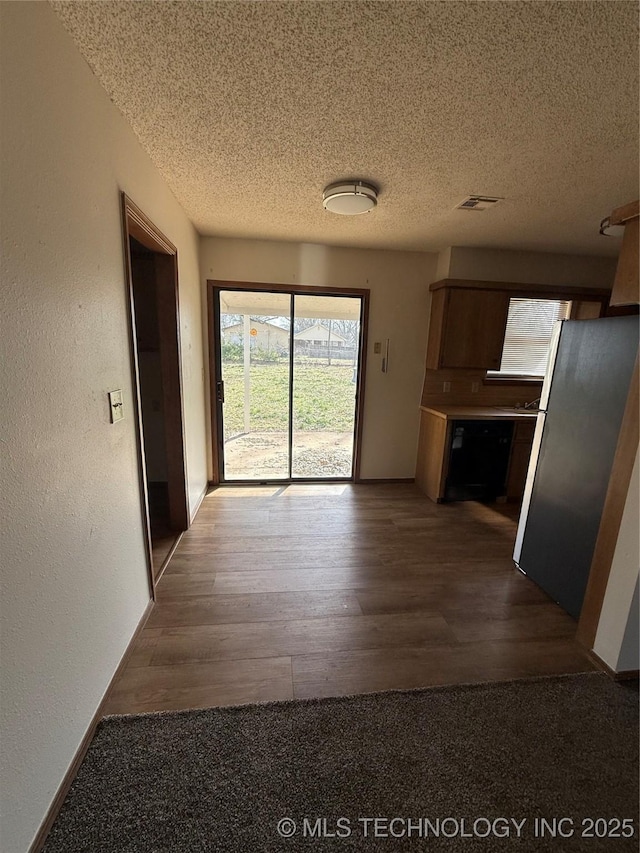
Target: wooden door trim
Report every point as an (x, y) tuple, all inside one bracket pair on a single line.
[(296, 290), (212, 368), (300, 289), (362, 375), (137, 225), (142, 229)]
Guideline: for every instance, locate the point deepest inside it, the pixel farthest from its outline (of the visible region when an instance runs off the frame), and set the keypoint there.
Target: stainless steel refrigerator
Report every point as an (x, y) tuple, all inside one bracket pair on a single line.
[(583, 399)]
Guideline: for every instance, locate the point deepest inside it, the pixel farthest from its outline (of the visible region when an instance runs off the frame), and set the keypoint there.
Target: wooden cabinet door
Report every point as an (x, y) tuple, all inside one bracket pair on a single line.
[(519, 462), (474, 328), (625, 287), (433, 444)]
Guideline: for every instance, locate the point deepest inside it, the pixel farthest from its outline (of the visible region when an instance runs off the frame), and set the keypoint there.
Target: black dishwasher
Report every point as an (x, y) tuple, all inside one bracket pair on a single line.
[(478, 460)]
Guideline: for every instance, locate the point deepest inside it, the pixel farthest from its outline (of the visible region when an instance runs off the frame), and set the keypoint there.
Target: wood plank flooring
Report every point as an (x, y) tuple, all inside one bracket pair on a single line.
[(325, 590)]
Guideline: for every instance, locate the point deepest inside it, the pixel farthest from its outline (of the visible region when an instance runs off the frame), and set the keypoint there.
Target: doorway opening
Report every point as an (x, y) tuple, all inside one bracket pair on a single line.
[(287, 381), (152, 274)]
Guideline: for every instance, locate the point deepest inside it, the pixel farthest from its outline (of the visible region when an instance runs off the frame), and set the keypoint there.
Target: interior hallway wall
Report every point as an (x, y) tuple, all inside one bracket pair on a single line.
[(74, 581), (399, 310)]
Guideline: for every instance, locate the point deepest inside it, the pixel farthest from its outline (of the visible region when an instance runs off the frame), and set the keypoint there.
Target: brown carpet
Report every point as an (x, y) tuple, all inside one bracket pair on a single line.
[(470, 768)]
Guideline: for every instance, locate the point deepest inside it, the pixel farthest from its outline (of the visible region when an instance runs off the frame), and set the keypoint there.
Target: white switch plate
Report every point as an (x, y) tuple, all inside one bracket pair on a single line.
[(116, 406)]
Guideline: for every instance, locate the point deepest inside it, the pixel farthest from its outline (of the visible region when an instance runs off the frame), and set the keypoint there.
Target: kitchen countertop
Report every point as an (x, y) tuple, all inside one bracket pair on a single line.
[(480, 413)]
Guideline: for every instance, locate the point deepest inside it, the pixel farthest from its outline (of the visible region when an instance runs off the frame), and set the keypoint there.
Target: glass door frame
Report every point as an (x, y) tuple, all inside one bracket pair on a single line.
[(215, 375)]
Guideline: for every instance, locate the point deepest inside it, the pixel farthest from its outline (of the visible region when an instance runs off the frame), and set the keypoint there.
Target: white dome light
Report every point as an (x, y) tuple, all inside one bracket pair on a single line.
[(350, 198)]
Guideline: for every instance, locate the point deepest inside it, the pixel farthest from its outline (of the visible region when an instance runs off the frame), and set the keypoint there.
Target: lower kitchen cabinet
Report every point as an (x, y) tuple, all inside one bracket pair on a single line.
[(439, 431)]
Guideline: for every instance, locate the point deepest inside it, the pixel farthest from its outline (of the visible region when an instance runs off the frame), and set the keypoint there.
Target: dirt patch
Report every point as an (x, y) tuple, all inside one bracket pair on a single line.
[(263, 455)]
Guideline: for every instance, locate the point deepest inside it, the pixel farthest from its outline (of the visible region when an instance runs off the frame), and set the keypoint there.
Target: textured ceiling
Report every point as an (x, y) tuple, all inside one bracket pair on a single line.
[(249, 109)]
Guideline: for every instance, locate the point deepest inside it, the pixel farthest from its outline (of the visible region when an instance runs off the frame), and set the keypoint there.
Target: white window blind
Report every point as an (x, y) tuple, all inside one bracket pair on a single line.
[(529, 326)]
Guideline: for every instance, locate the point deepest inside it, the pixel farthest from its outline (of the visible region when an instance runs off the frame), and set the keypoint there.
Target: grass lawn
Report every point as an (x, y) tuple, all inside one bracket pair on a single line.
[(323, 397)]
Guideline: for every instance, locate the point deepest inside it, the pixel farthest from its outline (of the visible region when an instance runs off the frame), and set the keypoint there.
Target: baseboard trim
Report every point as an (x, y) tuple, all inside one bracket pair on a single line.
[(167, 559), (372, 481), (622, 675), (199, 502), (627, 675), (56, 804)]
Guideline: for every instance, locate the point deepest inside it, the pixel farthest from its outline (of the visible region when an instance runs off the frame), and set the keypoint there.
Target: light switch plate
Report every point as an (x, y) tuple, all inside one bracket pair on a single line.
[(116, 406)]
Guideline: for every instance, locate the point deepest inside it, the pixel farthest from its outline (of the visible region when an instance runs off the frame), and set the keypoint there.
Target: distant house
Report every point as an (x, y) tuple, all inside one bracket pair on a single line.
[(264, 335), (318, 336)]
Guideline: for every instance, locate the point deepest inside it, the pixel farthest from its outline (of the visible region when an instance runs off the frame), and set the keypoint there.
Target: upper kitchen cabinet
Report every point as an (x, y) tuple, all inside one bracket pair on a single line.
[(467, 327), (469, 318), (626, 286)]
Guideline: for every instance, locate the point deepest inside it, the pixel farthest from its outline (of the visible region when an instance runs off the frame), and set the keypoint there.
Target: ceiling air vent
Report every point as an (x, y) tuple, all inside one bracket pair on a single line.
[(477, 202)]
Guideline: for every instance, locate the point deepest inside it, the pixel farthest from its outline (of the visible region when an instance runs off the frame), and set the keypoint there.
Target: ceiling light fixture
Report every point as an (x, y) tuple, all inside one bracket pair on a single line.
[(609, 230), (350, 198)]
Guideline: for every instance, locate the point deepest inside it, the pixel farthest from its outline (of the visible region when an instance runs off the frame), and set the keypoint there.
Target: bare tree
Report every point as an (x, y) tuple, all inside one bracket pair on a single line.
[(302, 323), (349, 330)]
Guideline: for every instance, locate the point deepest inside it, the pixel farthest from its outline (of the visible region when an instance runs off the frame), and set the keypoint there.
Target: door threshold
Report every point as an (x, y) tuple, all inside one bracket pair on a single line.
[(296, 482)]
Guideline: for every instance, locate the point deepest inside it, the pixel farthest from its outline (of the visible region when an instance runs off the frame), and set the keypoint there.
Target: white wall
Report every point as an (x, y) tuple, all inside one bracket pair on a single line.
[(617, 635), (527, 267), (74, 583), (399, 310), (444, 264)]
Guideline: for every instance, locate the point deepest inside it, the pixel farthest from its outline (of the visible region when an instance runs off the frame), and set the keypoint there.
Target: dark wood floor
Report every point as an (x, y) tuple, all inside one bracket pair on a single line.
[(307, 591)]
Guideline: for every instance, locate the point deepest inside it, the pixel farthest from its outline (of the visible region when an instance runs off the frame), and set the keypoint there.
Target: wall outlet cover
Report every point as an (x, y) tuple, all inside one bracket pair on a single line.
[(116, 406)]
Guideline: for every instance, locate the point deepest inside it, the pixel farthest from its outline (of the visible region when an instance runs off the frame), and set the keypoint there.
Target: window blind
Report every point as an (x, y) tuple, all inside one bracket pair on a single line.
[(529, 326)]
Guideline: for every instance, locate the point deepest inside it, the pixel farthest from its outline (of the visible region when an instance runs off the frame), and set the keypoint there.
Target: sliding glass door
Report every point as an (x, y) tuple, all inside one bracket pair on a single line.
[(288, 382), (324, 375), (256, 380)]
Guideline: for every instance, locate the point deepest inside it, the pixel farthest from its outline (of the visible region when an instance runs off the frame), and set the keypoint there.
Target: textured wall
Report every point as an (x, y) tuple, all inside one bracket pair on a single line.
[(399, 310), (74, 582)]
